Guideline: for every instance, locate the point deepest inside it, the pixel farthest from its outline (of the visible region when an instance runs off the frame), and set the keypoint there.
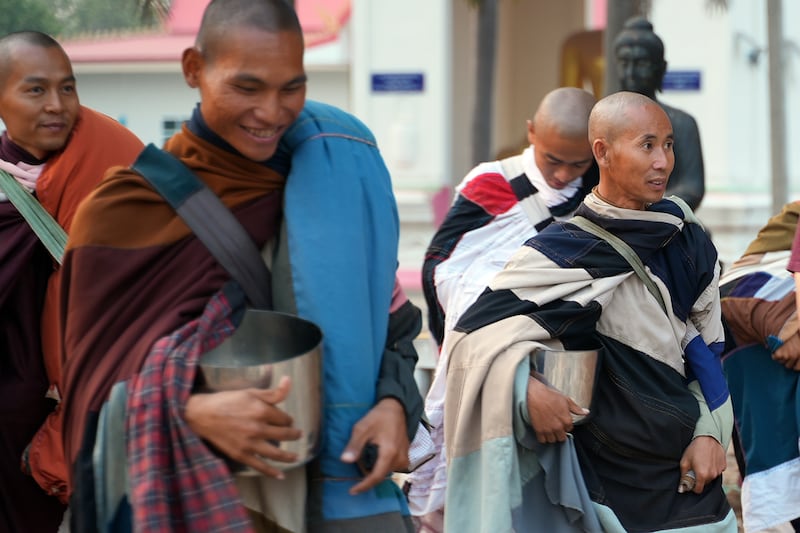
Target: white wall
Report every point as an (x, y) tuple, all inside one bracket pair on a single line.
[(142, 100), (696, 40), (732, 108), (412, 128)]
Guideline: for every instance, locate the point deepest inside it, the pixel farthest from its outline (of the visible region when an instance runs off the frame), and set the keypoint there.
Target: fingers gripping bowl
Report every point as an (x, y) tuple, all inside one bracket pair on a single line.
[(266, 346), (572, 372)]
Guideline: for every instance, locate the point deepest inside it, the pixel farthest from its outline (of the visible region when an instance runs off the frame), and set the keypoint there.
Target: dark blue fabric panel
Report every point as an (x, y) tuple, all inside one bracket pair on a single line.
[(493, 306), (705, 365), (748, 286), (643, 418), (522, 187)]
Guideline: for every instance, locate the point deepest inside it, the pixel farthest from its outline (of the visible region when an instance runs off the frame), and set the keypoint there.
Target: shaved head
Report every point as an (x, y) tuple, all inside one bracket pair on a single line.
[(247, 64), (10, 43), (558, 134), (39, 102), (223, 17), (609, 116), (632, 141), (564, 112)]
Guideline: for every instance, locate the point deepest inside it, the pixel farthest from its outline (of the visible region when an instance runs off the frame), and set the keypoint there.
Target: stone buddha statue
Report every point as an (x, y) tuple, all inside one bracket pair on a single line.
[(640, 66)]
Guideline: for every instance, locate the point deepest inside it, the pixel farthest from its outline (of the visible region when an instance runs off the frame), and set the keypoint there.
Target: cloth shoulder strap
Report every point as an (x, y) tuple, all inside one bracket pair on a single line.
[(41, 222), (688, 214), (512, 166), (531, 204), (625, 251), (210, 220)]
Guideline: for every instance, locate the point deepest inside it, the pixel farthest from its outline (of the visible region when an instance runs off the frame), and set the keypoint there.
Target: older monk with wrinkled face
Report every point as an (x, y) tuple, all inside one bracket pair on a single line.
[(632, 141)]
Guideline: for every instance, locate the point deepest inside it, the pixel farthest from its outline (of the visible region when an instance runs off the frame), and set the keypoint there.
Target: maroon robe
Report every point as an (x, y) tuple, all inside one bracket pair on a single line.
[(25, 267), (27, 330)]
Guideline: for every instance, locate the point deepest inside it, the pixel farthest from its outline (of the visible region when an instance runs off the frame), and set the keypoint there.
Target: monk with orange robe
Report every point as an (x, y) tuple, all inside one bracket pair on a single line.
[(57, 150)]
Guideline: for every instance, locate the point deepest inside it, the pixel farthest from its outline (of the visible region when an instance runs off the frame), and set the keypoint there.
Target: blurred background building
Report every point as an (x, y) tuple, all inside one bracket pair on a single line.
[(409, 70)]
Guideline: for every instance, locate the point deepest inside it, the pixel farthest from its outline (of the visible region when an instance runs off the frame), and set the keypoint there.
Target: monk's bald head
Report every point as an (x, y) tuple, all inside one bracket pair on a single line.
[(557, 133), (222, 17), (609, 116), (11, 43), (564, 112), (632, 141)]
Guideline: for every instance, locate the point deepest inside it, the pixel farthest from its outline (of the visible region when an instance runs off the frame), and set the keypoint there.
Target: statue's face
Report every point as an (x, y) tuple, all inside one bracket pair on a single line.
[(638, 70)]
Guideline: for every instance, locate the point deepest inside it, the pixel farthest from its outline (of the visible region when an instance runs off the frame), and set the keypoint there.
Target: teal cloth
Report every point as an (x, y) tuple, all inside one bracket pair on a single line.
[(541, 485)]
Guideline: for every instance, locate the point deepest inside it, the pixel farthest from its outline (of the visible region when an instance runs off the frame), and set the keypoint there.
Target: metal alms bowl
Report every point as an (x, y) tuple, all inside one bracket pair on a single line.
[(572, 372), (266, 346)]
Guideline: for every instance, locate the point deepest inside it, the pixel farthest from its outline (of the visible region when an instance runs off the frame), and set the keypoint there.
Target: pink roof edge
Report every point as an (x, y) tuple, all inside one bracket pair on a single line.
[(322, 21)]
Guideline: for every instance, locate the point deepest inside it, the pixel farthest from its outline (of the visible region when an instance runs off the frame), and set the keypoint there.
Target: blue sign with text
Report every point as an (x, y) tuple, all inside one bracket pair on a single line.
[(681, 80), (398, 83)]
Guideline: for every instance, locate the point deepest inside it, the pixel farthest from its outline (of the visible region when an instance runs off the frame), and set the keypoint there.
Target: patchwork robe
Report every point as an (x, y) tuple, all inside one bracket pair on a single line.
[(498, 206), (660, 385), (760, 311)]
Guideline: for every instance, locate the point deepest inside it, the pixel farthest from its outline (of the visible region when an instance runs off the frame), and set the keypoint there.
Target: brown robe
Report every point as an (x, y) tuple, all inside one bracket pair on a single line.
[(143, 274)]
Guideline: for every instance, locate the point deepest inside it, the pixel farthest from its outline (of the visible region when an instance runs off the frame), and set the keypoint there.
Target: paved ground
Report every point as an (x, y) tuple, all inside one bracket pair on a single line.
[(730, 481)]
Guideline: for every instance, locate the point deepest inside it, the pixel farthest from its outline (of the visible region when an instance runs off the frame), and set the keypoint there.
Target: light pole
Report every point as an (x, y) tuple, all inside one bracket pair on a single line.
[(777, 106)]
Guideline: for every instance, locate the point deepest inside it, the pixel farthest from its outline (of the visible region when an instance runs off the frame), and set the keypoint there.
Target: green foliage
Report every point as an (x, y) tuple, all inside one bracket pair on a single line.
[(65, 18), (28, 15), (91, 16), (152, 11)]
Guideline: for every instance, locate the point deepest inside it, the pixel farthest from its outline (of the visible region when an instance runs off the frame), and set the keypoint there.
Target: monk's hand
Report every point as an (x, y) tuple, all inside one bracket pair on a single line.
[(245, 425), (384, 427), (550, 412), (788, 354), (705, 457)]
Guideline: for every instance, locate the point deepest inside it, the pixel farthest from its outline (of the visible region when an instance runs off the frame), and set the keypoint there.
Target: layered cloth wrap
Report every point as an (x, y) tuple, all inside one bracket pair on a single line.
[(660, 385), (30, 354), (760, 311), (165, 300), (498, 206)]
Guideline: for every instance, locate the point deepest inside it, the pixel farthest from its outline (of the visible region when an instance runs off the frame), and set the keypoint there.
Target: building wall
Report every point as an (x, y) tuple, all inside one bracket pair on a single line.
[(142, 100), (732, 107), (139, 100), (392, 40), (531, 34), (425, 136)]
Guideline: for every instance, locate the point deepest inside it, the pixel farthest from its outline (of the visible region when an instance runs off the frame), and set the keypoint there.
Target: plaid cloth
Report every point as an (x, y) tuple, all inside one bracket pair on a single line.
[(177, 483)]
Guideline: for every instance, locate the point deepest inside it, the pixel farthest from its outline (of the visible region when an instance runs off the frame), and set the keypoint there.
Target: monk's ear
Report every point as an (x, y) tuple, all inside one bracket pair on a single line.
[(531, 132), (192, 64), (600, 151)]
